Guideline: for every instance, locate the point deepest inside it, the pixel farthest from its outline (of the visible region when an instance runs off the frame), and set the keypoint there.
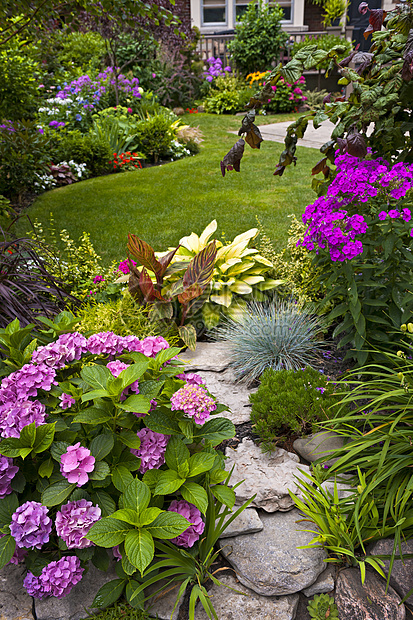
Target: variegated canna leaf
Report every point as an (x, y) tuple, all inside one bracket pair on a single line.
[(201, 267), (148, 290), (144, 253), (188, 335), (190, 293)]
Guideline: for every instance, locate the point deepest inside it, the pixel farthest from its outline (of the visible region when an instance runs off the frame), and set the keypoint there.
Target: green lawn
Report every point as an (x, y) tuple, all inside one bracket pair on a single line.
[(161, 204)]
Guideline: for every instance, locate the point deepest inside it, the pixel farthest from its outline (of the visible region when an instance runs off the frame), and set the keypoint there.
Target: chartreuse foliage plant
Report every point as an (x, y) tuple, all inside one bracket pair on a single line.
[(376, 460), (290, 401), (106, 445)]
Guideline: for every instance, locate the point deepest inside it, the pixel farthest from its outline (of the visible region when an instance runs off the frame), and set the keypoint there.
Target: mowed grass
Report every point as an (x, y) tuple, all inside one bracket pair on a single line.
[(163, 203)]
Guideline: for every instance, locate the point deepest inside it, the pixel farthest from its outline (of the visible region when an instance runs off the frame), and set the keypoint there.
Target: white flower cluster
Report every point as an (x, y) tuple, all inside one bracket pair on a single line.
[(79, 170), (44, 182), (178, 150)]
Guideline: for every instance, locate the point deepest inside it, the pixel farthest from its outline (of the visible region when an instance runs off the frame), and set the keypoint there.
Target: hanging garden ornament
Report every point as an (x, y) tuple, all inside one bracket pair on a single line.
[(232, 159)]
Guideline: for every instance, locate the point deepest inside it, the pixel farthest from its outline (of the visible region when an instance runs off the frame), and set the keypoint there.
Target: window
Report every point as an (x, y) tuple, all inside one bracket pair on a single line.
[(214, 11), (286, 5)]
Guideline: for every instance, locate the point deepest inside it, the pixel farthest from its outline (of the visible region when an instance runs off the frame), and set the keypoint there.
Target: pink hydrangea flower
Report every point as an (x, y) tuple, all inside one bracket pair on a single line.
[(191, 378), (189, 537), (30, 526), (66, 401), (67, 348), (57, 578), (74, 520), (76, 463), (194, 401), (152, 449), (153, 345), (105, 343), (16, 415), (7, 473)]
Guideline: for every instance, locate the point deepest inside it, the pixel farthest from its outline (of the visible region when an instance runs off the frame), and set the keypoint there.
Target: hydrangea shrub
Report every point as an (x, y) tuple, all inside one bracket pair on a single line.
[(362, 237), (106, 445)]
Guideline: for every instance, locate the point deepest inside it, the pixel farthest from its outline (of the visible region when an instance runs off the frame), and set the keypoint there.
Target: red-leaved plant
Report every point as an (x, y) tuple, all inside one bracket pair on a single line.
[(176, 301)]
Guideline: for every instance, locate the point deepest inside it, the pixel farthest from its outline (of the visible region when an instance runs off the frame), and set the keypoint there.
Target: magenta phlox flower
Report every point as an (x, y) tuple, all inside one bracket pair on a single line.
[(56, 579), (124, 266), (7, 472), (394, 214), (76, 463), (74, 520), (16, 415), (66, 401), (407, 215), (30, 526), (98, 279), (382, 215), (152, 345), (189, 537), (194, 401), (152, 449)]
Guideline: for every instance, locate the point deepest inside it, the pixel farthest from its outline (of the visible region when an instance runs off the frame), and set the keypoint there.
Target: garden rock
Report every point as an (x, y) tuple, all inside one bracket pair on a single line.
[(402, 574), (235, 396), (366, 602), (15, 603), (343, 489), (178, 111), (161, 605), (320, 444), (77, 603), (269, 476), (248, 522), (269, 562), (207, 356), (323, 584), (249, 605)]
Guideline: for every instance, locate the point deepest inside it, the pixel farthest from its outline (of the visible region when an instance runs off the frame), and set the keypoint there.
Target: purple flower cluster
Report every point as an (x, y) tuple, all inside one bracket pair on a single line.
[(215, 69), (7, 473), (67, 348), (74, 520), (93, 90), (189, 537), (191, 378), (30, 526), (152, 449), (16, 415), (56, 579), (329, 219), (56, 124), (194, 401), (76, 463), (66, 401), (7, 126)]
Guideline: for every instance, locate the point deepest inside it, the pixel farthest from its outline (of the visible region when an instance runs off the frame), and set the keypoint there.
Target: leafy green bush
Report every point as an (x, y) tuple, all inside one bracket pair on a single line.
[(258, 38), (154, 136), (325, 42), (24, 155), (227, 95), (290, 401), (18, 83), (80, 52), (90, 149)]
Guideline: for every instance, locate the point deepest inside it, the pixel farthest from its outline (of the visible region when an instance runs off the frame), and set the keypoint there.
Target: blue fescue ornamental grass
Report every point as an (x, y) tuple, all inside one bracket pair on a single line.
[(283, 335)]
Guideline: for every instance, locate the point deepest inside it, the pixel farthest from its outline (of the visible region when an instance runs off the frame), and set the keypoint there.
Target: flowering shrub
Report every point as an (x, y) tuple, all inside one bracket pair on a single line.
[(108, 434), (363, 240), (285, 98), (215, 69)]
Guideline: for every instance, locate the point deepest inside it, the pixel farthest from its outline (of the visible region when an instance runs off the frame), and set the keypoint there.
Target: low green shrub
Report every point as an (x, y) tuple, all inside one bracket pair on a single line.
[(18, 83), (228, 94), (154, 137), (24, 155), (290, 401), (90, 149)]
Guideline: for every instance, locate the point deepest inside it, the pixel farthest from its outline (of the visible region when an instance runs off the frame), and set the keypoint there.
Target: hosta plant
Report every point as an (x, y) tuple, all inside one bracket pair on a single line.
[(240, 273), (106, 445)]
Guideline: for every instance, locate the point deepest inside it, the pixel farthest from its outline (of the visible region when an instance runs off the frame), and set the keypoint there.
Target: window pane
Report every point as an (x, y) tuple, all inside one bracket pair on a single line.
[(240, 10), (214, 15)]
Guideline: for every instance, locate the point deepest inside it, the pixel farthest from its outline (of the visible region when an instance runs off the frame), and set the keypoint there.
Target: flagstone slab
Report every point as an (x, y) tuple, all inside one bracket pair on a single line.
[(234, 395), (15, 603), (270, 562), (213, 356), (268, 476), (249, 605), (248, 522)]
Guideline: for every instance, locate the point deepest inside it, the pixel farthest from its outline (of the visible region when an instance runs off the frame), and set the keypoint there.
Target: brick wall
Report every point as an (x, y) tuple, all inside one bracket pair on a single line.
[(182, 8), (313, 16)]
